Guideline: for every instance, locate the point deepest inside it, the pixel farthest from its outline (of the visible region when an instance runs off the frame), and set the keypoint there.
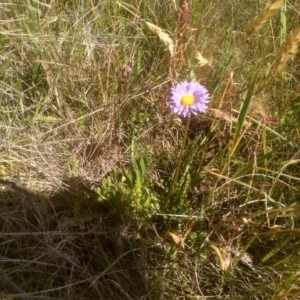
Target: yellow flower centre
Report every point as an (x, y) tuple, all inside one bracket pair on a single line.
[(187, 100)]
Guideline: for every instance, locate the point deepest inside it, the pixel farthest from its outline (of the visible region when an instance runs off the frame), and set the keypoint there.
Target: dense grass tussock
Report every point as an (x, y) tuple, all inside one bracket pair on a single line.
[(105, 194)]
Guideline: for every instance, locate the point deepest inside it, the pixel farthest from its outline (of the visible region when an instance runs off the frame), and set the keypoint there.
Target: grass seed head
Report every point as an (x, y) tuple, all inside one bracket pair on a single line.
[(164, 37), (185, 17), (221, 115), (258, 22), (288, 49), (202, 61)]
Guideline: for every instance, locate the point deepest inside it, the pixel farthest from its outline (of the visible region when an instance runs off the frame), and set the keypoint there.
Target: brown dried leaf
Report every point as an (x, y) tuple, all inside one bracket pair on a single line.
[(176, 238)]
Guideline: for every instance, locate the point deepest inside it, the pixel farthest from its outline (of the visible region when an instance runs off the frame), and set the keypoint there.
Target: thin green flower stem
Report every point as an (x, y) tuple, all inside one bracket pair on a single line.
[(180, 156)]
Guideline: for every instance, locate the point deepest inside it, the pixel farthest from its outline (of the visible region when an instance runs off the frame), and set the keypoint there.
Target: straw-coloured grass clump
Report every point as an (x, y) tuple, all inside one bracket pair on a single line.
[(288, 49), (258, 22)]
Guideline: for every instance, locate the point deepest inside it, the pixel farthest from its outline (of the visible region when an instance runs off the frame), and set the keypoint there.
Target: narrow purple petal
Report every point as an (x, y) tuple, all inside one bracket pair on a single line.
[(184, 88)]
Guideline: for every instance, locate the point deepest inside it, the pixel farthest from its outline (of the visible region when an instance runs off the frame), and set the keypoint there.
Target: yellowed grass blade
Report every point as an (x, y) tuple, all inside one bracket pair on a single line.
[(224, 261)]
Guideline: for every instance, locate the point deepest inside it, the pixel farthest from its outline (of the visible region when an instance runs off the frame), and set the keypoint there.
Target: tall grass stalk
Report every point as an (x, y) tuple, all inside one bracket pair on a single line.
[(182, 148)]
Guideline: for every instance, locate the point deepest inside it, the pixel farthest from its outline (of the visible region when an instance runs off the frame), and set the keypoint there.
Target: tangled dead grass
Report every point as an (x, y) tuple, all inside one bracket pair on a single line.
[(118, 256)]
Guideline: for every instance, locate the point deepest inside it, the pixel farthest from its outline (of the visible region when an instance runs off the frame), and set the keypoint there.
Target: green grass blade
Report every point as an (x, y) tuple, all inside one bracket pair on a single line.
[(249, 167), (245, 106), (278, 248), (283, 23)]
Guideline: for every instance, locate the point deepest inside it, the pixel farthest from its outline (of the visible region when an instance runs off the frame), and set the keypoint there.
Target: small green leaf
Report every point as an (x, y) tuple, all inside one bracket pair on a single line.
[(139, 176), (97, 197), (4, 66), (129, 178), (143, 163)]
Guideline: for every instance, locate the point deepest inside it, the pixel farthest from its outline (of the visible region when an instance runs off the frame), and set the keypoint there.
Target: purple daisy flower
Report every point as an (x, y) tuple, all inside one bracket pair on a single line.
[(188, 98)]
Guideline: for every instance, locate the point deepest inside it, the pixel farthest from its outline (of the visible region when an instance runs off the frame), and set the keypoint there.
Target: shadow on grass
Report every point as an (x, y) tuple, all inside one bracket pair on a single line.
[(67, 246)]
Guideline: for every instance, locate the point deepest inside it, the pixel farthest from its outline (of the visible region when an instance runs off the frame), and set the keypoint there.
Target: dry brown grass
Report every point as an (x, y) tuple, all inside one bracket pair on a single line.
[(288, 49), (258, 22), (90, 133)]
